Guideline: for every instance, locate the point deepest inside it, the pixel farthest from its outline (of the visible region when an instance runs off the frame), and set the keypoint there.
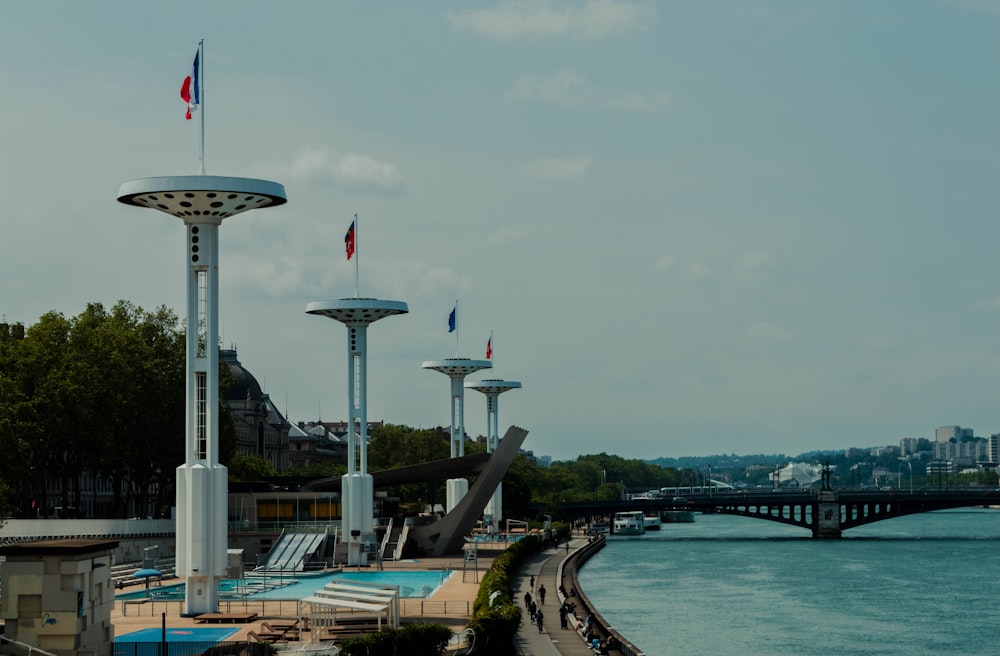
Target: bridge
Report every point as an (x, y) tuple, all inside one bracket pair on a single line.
[(824, 512)]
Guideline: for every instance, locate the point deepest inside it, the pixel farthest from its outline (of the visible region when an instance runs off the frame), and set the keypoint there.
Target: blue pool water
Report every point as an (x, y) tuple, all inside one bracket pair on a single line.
[(188, 641), (412, 585), (188, 634)]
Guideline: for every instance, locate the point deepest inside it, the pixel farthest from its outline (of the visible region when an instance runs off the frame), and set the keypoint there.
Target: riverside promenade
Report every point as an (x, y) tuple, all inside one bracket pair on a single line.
[(555, 567)]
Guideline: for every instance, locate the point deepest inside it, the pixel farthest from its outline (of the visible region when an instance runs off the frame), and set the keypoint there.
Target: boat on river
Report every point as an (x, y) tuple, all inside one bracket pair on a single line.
[(674, 516), (651, 522), (629, 523)]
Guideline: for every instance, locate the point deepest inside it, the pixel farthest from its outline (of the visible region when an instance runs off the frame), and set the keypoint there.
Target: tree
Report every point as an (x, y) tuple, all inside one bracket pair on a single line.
[(102, 395), (250, 468), (392, 446)]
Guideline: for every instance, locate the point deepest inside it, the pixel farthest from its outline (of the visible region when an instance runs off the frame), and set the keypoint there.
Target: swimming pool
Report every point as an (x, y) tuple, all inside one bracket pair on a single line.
[(187, 641), (412, 585), (187, 634)]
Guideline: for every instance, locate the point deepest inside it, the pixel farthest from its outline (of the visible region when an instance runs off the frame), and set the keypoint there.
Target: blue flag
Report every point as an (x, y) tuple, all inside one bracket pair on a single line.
[(451, 320)]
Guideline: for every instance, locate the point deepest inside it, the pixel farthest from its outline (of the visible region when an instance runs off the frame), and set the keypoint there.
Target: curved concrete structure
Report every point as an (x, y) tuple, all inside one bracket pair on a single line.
[(447, 535)]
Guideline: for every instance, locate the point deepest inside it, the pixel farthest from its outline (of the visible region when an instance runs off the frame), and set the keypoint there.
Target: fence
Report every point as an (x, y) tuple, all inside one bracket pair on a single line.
[(247, 648), (409, 608)]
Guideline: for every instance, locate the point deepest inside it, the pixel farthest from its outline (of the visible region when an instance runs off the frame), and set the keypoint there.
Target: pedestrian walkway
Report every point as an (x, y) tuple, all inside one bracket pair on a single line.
[(544, 567)]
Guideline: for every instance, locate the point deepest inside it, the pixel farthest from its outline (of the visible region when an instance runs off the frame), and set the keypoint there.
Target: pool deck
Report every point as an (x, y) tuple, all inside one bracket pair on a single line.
[(451, 604)]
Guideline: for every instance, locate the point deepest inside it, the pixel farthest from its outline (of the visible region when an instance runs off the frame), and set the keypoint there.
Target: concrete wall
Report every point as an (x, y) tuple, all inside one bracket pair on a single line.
[(58, 595)]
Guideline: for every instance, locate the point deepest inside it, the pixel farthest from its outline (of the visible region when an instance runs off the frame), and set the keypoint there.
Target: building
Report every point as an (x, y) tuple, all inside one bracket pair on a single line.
[(947, 433), (796, 475), (261, 429), (58, 596), (908, 446), (993, 449), (962, 453)]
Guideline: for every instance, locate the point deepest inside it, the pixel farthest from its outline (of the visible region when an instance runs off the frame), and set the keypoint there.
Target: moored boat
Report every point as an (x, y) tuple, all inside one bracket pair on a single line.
[(651, 522), (674, 516), (629, 523)]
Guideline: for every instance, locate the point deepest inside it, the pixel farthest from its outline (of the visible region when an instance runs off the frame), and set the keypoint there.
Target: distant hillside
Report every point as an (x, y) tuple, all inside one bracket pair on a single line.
[(694, 462), (733, 460)]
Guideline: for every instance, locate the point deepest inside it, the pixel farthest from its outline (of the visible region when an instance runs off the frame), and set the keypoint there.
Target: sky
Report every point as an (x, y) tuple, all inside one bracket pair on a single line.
[(691, 228)]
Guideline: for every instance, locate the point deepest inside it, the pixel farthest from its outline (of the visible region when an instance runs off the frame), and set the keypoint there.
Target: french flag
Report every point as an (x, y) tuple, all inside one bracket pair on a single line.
[(191, 89)]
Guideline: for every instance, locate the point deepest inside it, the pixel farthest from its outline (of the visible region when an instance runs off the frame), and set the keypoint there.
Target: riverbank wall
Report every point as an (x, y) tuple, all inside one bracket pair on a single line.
[(584, 606)]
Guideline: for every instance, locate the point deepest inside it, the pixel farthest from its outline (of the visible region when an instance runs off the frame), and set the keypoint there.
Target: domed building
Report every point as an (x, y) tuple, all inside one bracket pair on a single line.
[(261, 429)]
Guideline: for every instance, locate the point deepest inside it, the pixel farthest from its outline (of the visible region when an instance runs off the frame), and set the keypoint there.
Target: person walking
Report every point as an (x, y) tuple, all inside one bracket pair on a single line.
[(538, 620), (541, 594)]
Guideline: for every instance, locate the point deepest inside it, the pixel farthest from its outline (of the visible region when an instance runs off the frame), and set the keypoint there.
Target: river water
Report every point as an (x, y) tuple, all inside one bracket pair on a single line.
[(921, 584)]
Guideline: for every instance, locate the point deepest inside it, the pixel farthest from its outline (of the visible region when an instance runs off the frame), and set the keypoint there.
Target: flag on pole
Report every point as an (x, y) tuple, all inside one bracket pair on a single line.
[(489, 349), (451, 320), (349, 241), (190, 91)]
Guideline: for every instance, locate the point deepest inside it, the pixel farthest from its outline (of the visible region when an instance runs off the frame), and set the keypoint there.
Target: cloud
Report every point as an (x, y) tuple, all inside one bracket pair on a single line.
[(558, 168), (755, 260), (663, 263), (349, 171), (981, 6), (309, 163), (276, 277), (567, 88), (361, 171), (523, 19), (697, 272), (505, 235)]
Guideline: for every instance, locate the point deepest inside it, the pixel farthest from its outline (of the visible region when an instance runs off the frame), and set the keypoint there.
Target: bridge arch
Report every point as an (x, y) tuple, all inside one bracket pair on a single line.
[(825, 513)]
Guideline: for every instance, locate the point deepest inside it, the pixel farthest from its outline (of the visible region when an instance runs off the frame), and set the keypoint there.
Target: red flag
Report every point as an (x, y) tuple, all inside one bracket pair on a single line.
[(489, 349), (349, 241)]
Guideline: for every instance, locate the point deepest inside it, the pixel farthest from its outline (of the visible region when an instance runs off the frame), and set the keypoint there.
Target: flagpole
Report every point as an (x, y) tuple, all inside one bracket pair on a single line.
[(493, 349), (201, 98), (357, 256), (456, 327)]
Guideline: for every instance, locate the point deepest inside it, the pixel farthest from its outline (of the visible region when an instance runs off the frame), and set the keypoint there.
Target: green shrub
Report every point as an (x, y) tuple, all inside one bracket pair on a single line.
[(410, 639)]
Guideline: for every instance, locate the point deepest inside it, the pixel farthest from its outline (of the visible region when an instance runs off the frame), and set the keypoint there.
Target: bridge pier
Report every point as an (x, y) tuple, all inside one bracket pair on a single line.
[(827, 515)]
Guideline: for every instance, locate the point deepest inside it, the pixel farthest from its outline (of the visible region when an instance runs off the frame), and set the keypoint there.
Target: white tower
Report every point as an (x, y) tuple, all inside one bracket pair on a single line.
[(357, 495), (202, 202), (493, 388), (457, 369)]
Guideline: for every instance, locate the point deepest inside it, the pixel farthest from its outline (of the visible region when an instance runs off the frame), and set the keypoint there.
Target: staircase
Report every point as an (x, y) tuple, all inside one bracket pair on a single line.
[(121, 574), (392, 543)]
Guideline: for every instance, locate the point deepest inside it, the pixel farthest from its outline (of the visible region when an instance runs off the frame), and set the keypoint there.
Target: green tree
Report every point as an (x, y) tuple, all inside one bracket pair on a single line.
[(250, 468), (101, 395), (316, 470)]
